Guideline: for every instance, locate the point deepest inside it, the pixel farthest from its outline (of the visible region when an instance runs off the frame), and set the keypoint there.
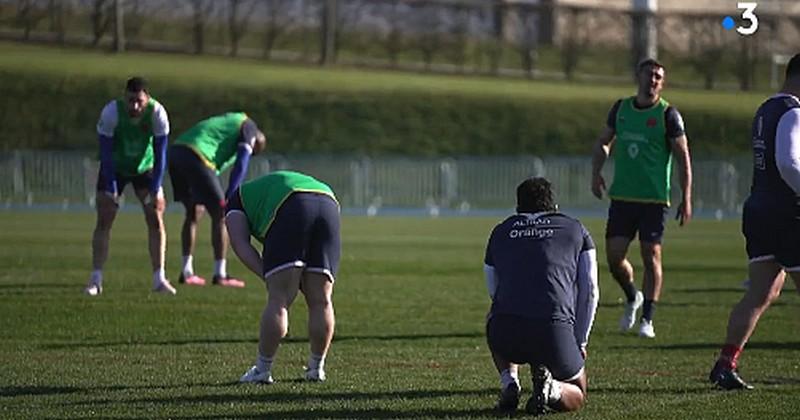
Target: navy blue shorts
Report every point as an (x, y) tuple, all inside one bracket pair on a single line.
[(625, 218), (772, 234), (305, 233), (193, 182), (140, 182), (523, 340)]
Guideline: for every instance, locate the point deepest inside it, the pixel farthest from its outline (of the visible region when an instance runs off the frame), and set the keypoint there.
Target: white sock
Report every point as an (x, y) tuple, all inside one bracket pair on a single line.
[(264, 364), (159, 276), (316, 362), (188, 269), (96, 277), (219, 268), (507, 377), (555, 392)]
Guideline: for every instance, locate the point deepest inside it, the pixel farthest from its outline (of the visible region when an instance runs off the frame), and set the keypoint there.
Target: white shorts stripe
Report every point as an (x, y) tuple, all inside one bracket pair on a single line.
[(293, 264), (574, 377), (324, 271), (761, 259)]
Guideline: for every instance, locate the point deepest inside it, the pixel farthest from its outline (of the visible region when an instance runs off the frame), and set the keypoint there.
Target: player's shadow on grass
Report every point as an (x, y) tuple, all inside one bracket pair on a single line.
[(304, 397), (254, 340), (33, 285), (27, 390), (692, 290), (31, 390), (374, 413), (760, 345)]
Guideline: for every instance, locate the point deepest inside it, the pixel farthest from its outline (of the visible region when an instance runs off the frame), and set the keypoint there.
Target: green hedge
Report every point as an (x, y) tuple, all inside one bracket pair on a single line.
[(55, 111)]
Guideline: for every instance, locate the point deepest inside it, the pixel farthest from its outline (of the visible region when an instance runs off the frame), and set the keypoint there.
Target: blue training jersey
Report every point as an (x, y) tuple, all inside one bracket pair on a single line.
[(535, 257), (768, 188)]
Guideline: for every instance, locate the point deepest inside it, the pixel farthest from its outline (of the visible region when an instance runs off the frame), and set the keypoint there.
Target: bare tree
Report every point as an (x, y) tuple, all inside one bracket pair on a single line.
[(498, 16), (201, 10), (528, 40), (135, 18), (706, 48), (279, 19), (101, 17), (459, 31), (238, 20), (746, 62), (393, 40), (574, 42), (57, 11), (429, 35), (348, 15), (29, 14)]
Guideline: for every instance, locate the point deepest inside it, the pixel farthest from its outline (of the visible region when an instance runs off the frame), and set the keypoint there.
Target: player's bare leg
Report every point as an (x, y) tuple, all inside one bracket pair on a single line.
[(153, 208), (219, 242), (106, 208), (194, 212), (653, 279), (318, 289), (766, 282), (282, 288), (622, 271), (619, 266)]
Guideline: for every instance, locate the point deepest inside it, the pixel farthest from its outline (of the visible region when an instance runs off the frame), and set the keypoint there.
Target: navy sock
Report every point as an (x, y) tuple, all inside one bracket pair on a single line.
[(648, 309), (630, 291)]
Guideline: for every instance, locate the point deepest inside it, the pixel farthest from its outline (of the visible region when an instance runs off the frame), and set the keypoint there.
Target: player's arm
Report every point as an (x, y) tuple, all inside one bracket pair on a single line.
[(680, 150), (244, 151), (601, 150), (588, 293), (489, 271), (787, 148), (239, 234), (105, 137), (160, 140)]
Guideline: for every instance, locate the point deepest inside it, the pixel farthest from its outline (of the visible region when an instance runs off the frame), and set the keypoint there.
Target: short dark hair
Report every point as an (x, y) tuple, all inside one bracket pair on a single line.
[(136, 84), (793, 68), (648, 62), (534, 195)]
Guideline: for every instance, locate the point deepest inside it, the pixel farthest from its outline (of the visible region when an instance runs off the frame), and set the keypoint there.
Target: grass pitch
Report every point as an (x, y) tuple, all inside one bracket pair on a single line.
[(410, 305)]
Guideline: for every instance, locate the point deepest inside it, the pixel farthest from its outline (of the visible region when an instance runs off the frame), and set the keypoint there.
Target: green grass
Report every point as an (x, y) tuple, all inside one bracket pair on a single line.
[(410, 304), (194, 70)]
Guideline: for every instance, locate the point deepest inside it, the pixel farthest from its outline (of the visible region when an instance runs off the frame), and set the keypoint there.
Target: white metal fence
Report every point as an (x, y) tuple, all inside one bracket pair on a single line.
[(384, 184)]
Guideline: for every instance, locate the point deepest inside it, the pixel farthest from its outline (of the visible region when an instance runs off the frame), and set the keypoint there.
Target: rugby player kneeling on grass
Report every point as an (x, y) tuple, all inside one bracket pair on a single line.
[(541, 272)]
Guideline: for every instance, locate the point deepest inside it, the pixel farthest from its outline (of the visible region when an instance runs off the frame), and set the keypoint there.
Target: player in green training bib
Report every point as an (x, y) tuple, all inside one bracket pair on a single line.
[(643, 133), (133, 134), (195, 162), (296, 218)]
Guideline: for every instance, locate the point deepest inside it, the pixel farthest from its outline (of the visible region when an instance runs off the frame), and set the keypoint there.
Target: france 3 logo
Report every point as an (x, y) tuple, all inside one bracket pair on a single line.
[(748, 15)]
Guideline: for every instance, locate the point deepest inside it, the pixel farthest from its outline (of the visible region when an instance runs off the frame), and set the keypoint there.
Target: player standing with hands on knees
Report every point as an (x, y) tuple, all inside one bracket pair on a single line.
[(644, 133), (296, 218), (770, 221), (195, 162), (132, 134)]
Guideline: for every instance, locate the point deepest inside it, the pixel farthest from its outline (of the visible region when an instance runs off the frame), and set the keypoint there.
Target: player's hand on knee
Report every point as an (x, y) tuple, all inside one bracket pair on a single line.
[(156, 200), (112, 196), (598, 185)]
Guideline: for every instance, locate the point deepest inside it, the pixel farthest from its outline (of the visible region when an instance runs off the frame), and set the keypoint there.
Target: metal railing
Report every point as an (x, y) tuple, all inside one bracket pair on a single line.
[(375, 185)]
